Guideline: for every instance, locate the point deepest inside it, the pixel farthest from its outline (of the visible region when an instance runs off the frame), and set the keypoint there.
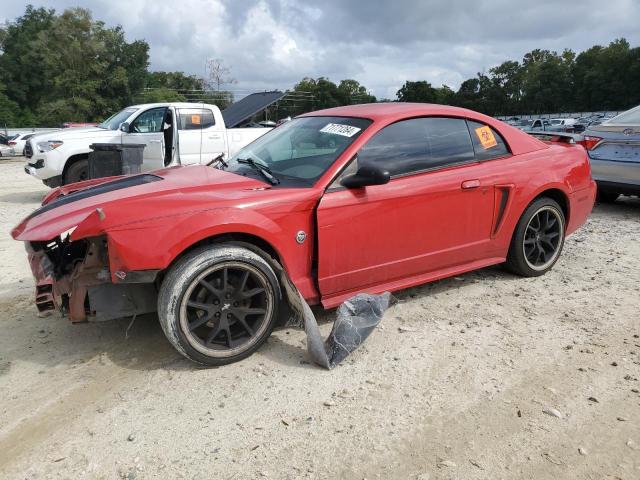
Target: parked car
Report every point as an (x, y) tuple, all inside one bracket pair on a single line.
[(6, 151), (565, 123), (550, 125), (19, 141), (4, 140), (364, 198), (614, 152), (523, 124), (174, 133)]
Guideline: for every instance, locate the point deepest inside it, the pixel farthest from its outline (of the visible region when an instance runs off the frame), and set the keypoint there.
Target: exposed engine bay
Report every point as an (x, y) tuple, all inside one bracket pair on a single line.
[(74, 277)]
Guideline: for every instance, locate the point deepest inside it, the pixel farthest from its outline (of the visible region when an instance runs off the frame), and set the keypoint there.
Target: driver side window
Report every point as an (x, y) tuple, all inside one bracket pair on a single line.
[(149, 121)]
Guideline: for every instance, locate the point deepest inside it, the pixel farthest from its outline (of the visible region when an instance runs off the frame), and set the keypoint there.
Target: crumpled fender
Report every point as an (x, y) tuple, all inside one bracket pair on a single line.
[(154, 243)]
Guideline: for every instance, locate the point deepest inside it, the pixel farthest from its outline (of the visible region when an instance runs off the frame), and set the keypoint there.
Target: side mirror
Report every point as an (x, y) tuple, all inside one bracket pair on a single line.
[(365, 176), (124, 127)]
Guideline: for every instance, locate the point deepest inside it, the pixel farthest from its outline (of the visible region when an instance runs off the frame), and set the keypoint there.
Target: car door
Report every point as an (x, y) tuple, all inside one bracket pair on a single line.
[(147, 129), (213, 137), (435, 213), (199, 137)]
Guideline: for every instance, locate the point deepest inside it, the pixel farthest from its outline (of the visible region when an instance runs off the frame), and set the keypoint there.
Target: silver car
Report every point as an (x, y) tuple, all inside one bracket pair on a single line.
[(614, 152)]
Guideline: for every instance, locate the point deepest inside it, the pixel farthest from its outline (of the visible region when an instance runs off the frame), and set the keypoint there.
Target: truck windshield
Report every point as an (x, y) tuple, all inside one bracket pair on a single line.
[(114, 121), (298, 152)]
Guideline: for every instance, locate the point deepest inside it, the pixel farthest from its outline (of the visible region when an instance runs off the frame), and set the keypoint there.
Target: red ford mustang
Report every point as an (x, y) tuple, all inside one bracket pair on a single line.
[(365, 198)]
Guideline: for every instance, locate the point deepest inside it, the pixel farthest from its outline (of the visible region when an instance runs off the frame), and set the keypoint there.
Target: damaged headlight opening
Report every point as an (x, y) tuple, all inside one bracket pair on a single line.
[(49, 145)]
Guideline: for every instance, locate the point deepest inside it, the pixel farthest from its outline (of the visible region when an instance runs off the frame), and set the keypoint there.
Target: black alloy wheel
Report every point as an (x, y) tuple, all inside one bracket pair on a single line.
[(538, 238), (219, 303), (226, 308), (543, 238)]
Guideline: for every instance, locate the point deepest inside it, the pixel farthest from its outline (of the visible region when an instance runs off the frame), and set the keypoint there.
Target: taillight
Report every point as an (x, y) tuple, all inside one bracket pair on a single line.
[(589, 142), (12, 143)]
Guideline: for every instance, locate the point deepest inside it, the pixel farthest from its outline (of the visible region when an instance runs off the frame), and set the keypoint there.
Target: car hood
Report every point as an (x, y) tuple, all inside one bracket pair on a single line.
[(125, 201), (76, 133)]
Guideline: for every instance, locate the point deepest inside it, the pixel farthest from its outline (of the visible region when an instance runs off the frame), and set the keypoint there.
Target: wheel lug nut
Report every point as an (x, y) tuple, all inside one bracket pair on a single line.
[(216, 302), (228, 315), (235, 304)]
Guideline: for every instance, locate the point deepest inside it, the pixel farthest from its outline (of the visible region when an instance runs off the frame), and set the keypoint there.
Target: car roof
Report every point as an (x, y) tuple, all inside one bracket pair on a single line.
[(377, 111), (390, 112)]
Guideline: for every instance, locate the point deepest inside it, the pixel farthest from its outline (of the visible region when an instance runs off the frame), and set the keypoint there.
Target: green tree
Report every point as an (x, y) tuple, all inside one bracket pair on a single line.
[(160, 95), (9, 110), (174, 80), (90, 66), (350, 92), (420, 91), (607, 77), (547, 84), (505, 88), (68, 67), (22, 64)]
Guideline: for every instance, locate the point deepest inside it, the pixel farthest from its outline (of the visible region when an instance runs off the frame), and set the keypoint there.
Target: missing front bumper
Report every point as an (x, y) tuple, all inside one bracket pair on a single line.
[(80, 286)]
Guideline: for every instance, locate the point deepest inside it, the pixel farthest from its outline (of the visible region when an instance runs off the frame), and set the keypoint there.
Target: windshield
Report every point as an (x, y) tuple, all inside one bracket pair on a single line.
[(298, 152), (630, 117), (114, 121)]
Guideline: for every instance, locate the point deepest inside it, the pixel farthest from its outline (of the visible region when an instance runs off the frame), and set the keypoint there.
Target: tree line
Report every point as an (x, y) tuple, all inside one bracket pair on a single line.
[(57, 68), (600, 78)]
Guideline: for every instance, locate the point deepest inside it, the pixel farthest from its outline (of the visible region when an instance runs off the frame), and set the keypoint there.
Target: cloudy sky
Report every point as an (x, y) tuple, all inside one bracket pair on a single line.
[(274, 43)]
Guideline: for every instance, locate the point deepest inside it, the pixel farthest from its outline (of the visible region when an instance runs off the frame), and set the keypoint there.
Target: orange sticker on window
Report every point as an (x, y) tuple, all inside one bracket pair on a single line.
[(195, 119), (486, 137)]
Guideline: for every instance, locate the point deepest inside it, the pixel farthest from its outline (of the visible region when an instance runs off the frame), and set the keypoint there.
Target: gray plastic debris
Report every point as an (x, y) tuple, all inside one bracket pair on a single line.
[(356, 319)]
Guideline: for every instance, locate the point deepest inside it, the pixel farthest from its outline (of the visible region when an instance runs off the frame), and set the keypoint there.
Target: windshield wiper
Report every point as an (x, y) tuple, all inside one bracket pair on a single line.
[(263, 169)]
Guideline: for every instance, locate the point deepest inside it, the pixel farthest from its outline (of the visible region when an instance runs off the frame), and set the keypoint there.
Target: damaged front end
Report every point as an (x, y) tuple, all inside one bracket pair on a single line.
[(74, 277)]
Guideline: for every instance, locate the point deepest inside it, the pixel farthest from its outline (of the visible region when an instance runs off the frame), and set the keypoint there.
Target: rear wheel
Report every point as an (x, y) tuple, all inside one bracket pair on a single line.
[(607, 197), (219, 304), (538, 239), (77, 172)]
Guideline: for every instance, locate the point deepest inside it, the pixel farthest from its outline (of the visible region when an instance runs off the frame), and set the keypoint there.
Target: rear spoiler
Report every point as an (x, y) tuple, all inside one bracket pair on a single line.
[(560, 137)]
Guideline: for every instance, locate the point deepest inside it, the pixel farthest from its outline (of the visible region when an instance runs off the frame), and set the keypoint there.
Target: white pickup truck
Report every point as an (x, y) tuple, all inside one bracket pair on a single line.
[(174, 133)]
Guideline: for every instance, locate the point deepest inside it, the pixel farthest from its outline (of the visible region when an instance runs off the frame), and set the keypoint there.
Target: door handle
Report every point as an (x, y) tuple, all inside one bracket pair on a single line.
[(155, 141), (469, 184)]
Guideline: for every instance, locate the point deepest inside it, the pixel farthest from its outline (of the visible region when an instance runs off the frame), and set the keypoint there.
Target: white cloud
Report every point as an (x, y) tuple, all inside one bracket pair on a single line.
[(274, 43)]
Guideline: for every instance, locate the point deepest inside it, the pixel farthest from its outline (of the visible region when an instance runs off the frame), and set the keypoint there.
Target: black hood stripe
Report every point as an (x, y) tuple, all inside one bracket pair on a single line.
[(126, 182)]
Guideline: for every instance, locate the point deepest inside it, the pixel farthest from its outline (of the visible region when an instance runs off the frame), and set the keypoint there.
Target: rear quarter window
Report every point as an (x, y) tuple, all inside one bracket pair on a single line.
[(487, 142)]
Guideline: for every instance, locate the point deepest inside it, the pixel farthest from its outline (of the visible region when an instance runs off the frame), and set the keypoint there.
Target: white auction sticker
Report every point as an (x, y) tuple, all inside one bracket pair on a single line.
[(339, 129)]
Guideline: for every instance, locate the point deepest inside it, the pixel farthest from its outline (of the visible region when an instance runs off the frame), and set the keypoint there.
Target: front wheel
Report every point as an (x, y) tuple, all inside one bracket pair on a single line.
[(538, 239), (77, 172), (218, 304)]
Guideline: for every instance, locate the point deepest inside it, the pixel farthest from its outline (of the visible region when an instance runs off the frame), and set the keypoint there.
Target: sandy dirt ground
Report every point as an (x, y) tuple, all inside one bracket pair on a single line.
[(483, 376)]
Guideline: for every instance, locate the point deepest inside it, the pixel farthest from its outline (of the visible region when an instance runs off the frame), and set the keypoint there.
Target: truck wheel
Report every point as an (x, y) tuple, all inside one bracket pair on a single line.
[(77, 172), (219, 304), (538, 239)]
